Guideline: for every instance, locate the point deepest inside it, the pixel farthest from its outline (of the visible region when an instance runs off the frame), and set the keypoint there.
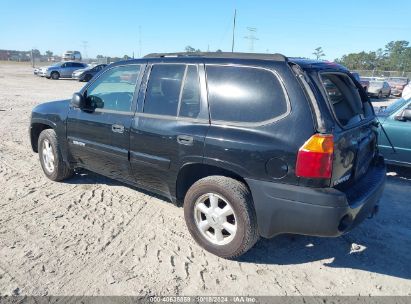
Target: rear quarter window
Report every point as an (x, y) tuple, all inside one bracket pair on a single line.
[(244, 94)]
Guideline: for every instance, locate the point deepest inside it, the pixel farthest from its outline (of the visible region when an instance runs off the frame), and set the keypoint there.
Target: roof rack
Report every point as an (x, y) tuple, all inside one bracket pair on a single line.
[(276, 57)]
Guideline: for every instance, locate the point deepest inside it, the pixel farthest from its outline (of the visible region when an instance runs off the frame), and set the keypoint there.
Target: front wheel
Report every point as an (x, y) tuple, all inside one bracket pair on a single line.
[(51, 159), (379, 96), (55, 75), (87, 78), (219, 214)]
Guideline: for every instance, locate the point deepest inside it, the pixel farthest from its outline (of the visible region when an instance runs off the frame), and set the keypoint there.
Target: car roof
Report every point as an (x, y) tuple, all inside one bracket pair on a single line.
[(236, 57)]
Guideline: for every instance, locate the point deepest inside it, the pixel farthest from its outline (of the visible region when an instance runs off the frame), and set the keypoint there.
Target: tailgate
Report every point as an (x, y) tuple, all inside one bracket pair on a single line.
[(354, 150), (355, 135)]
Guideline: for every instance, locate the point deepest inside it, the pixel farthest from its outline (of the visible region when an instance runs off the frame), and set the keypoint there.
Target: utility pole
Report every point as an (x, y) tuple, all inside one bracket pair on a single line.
[(232, 44), (84, 43), (139, 41), (251, 37)]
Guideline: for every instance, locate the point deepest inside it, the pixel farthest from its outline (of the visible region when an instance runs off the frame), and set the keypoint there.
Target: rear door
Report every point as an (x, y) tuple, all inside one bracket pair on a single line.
[(99, 135), (169, 128), (355, 136)]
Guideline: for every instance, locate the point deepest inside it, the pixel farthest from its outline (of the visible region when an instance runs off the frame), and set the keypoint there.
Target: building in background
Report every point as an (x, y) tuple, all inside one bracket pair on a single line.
[(72, 56)]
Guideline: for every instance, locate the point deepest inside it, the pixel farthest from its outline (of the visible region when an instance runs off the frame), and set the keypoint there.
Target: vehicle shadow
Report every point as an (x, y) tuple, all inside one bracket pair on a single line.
[(380, 245), (397, 173), (85, 177), (348, 251)]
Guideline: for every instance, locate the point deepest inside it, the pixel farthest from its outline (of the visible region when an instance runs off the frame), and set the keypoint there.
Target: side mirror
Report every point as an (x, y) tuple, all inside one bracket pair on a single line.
[(77, 101), (404, 115)]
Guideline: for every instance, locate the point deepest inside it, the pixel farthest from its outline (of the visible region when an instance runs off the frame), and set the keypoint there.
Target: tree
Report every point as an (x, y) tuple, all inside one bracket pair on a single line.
[(49, 53), (190, 49), (36, 53), (359, 61), (395, 56), (100, 56), (398, 53), (318, 53), (219, 51)]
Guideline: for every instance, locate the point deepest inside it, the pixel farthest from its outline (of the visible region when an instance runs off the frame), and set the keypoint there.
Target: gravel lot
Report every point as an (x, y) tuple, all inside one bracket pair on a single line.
[(94, 236)]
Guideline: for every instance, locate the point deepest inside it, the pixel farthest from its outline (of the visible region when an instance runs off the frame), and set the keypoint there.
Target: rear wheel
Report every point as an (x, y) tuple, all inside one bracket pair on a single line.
[(51, 159), (55, 75), (220, 216)]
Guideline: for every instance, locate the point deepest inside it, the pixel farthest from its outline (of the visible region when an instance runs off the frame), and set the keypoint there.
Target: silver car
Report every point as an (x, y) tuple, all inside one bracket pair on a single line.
[(61, 70), (379, 89)]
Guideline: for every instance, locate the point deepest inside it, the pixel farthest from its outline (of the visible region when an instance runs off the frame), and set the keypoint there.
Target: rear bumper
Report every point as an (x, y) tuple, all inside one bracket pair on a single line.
[(293, 209)]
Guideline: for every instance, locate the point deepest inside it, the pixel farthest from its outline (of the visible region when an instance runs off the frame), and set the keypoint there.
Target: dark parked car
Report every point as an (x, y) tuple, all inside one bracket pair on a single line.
[(252, 144), (396, 120), (87, 73)]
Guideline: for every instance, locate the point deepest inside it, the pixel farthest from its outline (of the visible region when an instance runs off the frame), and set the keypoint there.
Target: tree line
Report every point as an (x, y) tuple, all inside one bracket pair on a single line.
[(395, 56)]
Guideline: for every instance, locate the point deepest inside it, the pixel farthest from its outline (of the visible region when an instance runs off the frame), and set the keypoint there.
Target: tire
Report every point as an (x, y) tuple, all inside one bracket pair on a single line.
[(52, 161), (389, 94), (223, 191), (379, 95), (87, 78), (55, 75)]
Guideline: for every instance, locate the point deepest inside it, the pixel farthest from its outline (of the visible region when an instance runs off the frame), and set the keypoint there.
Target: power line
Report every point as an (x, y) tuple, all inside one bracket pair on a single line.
[(139, 42), (232, 44), (251, 37), (84, 44)]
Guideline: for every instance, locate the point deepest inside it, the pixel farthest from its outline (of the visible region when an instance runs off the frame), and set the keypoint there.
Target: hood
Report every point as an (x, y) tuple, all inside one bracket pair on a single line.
[(51, 106)]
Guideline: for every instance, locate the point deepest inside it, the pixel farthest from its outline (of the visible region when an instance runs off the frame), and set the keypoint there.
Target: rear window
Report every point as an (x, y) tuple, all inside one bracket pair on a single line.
[(244, 94), (343, 97)]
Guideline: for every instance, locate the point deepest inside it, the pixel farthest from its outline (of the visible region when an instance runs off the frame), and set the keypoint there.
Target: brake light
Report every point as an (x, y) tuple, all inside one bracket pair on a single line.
[(315, 157)]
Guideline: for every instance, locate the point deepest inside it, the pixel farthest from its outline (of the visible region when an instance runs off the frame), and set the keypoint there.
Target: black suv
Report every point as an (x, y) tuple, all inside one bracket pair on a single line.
[(252, 144)]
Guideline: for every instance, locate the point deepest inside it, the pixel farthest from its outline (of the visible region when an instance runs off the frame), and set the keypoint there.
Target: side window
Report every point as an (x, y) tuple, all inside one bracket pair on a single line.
[(190, 98), (114, 89), (163, 89), (244, 94)]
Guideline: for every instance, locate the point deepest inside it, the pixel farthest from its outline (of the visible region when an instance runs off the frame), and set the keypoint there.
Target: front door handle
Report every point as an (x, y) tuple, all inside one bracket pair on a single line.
[(117, 128), (185, 140)]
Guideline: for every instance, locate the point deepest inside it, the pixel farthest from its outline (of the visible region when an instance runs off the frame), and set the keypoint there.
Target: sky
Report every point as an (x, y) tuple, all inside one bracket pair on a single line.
[(117, 28)]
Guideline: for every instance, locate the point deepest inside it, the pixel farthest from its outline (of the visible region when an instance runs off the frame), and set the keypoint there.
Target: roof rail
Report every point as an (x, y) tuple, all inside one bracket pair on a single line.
[(276, 57)]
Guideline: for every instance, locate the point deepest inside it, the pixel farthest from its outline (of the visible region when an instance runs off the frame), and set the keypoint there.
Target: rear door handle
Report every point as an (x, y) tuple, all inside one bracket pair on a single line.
[(117, 128), (185, 140)]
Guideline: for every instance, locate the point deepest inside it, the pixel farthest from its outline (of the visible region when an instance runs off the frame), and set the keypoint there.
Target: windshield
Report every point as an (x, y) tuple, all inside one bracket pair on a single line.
[(399, 103), (376, 83)]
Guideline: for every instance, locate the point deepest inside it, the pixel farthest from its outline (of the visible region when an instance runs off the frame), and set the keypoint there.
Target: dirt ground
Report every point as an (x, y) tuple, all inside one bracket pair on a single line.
[(94, 236)]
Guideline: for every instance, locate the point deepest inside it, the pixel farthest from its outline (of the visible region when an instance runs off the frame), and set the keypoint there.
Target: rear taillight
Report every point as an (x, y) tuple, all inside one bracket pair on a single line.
[(315, 157)]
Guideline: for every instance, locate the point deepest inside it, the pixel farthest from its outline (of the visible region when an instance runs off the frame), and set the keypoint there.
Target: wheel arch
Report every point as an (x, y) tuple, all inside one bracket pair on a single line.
[(54, 71), (191, 173), (35, 129)]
